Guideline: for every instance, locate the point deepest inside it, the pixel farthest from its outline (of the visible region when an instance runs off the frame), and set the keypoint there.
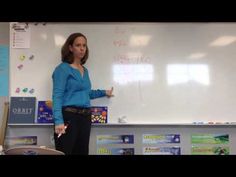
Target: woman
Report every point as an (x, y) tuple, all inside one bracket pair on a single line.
[(71, 97)]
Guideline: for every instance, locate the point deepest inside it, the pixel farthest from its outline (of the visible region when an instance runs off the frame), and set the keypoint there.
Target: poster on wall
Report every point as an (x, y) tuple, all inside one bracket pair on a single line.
[(209, 150), (156, 138), (20, 141), (115, 139), (161, 151), (20, 35), (4, 70), (210, 139), (115, 151)]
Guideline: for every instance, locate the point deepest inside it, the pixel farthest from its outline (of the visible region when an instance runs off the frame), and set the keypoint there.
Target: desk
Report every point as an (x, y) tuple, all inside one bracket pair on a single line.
[(32, 150)]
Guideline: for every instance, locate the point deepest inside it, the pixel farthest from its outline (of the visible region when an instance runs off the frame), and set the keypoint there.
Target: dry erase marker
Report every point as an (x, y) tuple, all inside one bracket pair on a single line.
[(59, 135)]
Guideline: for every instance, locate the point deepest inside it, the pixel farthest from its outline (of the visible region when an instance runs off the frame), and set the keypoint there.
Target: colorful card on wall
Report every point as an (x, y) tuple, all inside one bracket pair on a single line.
[(209, 150), (115, 151), (22, 110), (210, 138), (161, 151), (115, 139), (99, 114), (20, 141), (45, 112), (155, 138)]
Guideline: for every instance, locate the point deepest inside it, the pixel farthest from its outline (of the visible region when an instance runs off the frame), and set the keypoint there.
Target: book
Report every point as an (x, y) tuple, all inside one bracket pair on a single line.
[(99, 114), (22, 110), (45, 112)]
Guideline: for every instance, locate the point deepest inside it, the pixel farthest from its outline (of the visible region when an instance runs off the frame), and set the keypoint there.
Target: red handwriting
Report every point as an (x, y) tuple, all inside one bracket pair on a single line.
[(119, 43), (126, 59), (123, 30)]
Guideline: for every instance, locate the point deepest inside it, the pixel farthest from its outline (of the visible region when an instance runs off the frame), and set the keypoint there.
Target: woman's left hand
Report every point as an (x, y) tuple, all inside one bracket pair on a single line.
[(109, 93)]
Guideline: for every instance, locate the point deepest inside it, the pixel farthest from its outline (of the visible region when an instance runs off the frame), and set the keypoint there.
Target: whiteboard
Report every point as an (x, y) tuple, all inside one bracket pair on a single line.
[(162, 73)]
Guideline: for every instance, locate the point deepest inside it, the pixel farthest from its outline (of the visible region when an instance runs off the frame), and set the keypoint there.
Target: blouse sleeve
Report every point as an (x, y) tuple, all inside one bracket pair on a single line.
[(59, 84)]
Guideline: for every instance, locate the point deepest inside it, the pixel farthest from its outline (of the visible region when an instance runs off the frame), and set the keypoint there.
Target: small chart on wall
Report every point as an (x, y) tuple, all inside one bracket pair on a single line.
[(162, 73)]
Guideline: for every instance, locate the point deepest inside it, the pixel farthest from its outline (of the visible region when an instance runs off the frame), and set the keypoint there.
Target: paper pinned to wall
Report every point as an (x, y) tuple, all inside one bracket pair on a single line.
[(20, 35)]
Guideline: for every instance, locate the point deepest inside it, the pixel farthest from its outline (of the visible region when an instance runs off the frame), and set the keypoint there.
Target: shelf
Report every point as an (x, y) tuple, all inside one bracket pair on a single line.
[(33, 124), (163, 125), (135, 125)]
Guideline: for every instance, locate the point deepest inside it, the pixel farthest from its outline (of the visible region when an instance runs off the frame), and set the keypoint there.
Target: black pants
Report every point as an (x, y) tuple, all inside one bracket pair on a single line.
[(76, 138)]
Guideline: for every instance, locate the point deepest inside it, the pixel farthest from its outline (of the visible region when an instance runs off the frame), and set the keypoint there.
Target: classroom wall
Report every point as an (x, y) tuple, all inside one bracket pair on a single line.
[(45, 132), (4, 33)]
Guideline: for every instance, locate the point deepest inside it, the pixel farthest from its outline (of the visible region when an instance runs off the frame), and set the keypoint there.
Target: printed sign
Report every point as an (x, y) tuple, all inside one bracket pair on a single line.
[(210, 139), (115, 139), (161, 150), (155, 138), (115, 151), (208, 150)]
